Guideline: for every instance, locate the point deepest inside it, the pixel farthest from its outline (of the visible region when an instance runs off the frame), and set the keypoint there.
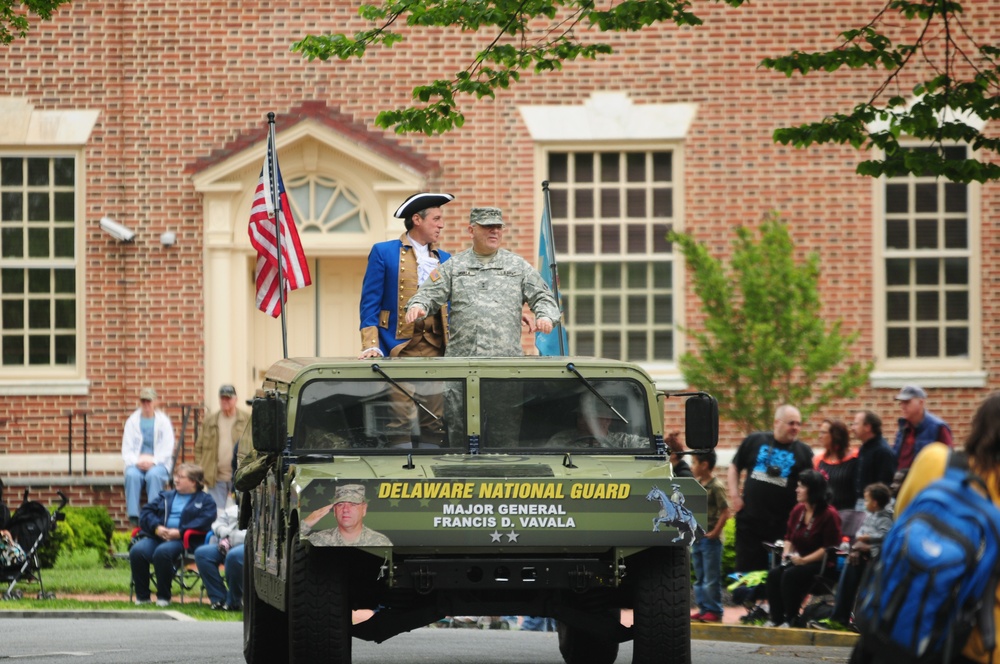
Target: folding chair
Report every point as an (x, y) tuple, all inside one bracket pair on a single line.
[(186, 575)]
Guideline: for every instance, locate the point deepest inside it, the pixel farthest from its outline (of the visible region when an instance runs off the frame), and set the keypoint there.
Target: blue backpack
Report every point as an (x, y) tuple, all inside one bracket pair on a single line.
[(936, 576)]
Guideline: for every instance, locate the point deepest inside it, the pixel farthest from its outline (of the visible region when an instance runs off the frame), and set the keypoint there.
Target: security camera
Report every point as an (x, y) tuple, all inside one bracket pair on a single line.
[(116, 230)]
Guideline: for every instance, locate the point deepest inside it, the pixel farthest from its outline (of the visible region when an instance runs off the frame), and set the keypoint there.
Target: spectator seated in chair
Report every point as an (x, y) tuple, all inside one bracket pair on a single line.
[(813, 531), (878, 521), (226, 547), (164, 522)]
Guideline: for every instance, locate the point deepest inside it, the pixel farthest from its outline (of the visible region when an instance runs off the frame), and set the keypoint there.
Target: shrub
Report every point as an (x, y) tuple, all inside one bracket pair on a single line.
[(86, 533), (120, 541), (83, 528), (99, 516), (48, 552), (729, 547)]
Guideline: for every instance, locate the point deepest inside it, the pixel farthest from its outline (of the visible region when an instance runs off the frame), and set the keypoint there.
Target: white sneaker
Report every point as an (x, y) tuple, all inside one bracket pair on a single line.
[(770, 623), (166, 602), (784, 626), (140, 602)]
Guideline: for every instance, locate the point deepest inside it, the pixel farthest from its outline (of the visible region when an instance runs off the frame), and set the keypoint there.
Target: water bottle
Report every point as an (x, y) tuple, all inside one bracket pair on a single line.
[(842, 552)]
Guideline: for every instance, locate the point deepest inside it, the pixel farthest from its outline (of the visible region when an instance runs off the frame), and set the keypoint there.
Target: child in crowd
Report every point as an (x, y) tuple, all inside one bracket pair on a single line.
[(867, 542), (706, 552)]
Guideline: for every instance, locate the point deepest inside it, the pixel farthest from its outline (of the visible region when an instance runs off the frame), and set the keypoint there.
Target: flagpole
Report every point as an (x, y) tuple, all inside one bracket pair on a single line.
[(272, 156), (551, 250)]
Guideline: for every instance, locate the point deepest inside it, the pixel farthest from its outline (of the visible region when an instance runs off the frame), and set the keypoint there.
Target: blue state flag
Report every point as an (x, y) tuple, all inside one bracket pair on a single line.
[(549, 344)]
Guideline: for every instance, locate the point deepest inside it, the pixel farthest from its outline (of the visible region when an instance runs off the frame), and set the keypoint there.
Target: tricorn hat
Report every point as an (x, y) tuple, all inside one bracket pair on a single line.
[(418, 202)]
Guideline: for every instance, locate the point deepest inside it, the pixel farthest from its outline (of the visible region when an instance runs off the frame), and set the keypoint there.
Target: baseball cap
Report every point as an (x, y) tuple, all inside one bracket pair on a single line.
[(147, 394), (418, 202), (349, 493), (486, 216), (910, 392), (227, 391)]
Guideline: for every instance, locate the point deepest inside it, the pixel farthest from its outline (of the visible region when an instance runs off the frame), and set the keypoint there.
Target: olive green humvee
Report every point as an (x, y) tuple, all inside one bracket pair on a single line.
[(423, 488)]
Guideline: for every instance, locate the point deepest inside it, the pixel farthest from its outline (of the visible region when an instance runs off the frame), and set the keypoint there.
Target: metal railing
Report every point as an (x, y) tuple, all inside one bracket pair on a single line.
[(77, 430)]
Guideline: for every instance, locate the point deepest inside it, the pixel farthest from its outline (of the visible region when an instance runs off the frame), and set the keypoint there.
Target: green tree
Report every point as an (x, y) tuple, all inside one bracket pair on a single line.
[(536, 35), (14, 16), (764, 341), (964, 85), (540, 35)]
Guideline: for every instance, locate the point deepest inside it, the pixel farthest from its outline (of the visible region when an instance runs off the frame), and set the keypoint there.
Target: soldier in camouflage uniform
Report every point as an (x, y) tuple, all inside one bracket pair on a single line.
[(350, 506), (487, 287), (593, 424)]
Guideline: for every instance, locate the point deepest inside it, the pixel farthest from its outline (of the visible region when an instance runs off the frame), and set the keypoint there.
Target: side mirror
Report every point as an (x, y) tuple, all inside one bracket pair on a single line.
[(701, 422), (270, 425)]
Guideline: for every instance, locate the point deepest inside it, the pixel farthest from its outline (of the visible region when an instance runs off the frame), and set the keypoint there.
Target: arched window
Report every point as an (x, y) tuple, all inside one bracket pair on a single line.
[(323, 205)]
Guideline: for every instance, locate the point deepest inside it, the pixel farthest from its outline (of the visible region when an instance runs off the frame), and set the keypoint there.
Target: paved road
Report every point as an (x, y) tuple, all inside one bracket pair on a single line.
[(87, 640)]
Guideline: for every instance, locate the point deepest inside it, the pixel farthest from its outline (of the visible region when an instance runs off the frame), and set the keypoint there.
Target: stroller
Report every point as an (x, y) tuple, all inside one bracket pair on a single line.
[(29, 525)]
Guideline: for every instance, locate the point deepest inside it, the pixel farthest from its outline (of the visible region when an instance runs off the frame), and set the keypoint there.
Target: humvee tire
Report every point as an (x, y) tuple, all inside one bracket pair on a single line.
[(661, 606), (265, 631), (319, 613), (549, 493), (579, 646)]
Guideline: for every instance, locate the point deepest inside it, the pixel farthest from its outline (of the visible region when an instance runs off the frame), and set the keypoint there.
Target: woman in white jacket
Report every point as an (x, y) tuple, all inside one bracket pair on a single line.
[(148, 453)]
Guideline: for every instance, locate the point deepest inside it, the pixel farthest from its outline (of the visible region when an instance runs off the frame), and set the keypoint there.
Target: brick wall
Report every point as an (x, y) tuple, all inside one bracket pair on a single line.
[(80, 495), (175, 80)]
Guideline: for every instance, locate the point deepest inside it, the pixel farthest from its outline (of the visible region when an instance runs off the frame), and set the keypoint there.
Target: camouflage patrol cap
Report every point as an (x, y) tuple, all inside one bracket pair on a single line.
[(349, 493), (486, 216)]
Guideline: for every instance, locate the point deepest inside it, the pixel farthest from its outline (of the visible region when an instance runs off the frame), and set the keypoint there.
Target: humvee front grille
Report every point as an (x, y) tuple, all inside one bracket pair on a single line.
[(427, 574)]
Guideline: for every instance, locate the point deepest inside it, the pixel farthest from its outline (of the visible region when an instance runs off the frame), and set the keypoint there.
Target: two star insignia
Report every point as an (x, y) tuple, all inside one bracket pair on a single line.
[(511, 536)]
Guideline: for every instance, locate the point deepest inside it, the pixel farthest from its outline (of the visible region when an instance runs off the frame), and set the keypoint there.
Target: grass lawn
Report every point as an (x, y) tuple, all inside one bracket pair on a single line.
[(81, 582)]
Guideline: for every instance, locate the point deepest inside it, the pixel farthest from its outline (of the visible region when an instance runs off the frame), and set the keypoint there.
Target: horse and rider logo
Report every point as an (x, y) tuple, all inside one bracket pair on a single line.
[(673, 513)]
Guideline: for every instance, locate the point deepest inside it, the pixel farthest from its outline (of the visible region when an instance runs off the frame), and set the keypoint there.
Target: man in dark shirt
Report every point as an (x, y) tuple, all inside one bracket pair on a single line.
[(876, 462), (771, 462)]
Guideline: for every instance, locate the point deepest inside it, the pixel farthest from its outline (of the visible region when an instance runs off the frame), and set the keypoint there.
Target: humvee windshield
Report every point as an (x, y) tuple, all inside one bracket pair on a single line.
[(539, 415), (559, 414)]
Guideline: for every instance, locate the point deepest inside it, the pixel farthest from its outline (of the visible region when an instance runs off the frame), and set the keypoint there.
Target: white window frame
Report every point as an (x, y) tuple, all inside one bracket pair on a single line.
[(27, 132), (611, 121), (320, 194), (662, 369), (929, 372)]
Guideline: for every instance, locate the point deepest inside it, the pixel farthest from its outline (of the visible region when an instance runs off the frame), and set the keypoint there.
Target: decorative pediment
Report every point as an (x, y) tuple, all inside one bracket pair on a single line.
[(344, 180)]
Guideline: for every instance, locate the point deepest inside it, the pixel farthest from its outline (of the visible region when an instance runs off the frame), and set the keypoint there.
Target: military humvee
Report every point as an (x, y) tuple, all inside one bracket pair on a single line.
[(425, 488)]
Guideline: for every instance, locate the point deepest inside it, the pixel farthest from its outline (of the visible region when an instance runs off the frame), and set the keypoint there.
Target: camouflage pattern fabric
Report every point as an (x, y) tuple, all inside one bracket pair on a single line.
[(252, 470), (332, 537), (486, 301), (613, 440)]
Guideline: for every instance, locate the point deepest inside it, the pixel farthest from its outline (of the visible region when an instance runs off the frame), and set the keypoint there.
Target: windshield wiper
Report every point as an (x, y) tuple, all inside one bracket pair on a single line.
[(590, 386), (377, 369)]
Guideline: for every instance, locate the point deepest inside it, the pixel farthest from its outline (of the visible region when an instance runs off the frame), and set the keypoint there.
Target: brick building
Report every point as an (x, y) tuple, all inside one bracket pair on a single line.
[(154, 115)]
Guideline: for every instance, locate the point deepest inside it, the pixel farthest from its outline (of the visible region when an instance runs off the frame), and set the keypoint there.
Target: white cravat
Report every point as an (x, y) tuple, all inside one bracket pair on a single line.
[(426, 261)]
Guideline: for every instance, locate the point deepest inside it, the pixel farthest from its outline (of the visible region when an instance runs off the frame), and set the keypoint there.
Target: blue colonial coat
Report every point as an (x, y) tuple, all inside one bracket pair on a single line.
[(390, 281)]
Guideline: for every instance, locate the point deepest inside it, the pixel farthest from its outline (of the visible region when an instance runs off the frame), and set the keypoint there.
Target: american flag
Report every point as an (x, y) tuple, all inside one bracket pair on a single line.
[(262, 237)]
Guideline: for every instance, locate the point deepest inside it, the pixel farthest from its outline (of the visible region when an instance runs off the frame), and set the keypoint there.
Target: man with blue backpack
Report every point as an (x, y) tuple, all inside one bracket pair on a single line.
[(932, 594)]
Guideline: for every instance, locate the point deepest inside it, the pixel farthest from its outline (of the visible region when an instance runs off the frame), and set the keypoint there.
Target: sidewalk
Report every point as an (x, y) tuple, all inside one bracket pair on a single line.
[(732, 630)]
